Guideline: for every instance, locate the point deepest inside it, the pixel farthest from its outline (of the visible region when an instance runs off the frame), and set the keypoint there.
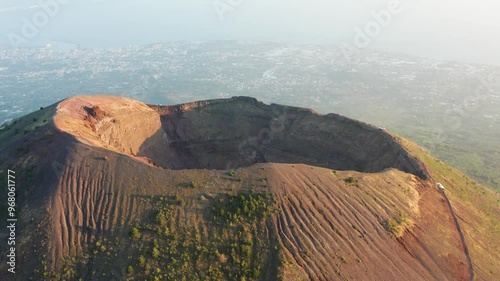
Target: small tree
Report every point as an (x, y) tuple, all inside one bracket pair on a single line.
[(156, 253), (349, 180), (134, 233), (141, 261)]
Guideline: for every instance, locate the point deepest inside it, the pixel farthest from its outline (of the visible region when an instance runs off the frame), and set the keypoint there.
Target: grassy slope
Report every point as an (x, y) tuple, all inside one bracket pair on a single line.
[(477, 208), (477, 157)]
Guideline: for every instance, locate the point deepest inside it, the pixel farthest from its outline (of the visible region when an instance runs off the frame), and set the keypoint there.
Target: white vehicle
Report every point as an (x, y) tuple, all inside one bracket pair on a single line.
[(440, 186)]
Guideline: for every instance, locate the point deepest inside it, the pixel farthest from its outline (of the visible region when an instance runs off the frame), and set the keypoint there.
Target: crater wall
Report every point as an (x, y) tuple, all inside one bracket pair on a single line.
[(241, 131)]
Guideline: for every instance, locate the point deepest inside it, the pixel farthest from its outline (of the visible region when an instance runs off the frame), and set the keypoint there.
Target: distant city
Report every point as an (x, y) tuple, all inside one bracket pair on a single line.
[(433, 102), (326, 78)]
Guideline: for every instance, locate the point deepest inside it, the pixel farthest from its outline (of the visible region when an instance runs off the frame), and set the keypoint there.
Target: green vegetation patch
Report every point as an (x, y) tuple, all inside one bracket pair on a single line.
[(242, 208), (208, 246), (397, 224)]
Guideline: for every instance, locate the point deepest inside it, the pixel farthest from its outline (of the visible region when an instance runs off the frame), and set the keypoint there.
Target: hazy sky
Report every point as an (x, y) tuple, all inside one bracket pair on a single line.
[(463, 30)]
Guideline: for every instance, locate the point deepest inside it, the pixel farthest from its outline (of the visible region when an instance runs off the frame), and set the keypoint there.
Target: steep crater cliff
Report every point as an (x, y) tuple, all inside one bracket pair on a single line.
[(241, 131)]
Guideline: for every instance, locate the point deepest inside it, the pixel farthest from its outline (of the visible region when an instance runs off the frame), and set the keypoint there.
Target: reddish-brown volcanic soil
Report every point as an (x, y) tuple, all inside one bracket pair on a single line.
[(326, 227), (329, 227)]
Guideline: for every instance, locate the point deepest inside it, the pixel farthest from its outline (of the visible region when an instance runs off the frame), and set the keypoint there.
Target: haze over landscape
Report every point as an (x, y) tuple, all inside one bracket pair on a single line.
[(453, 30), (249, 140)]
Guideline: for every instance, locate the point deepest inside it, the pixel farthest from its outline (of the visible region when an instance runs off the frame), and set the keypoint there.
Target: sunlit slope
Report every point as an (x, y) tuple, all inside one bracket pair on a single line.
[(357, 226), (477, 209)]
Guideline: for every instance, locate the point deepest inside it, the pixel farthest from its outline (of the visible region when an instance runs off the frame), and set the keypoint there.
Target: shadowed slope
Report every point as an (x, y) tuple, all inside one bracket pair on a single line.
[(241, 131)]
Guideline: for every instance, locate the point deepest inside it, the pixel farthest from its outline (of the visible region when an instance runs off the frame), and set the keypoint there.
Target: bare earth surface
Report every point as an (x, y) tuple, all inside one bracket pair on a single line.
[(352, 202)]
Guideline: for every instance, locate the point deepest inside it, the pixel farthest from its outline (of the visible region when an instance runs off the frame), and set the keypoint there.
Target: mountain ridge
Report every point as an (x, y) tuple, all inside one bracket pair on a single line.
[(88, 185)]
